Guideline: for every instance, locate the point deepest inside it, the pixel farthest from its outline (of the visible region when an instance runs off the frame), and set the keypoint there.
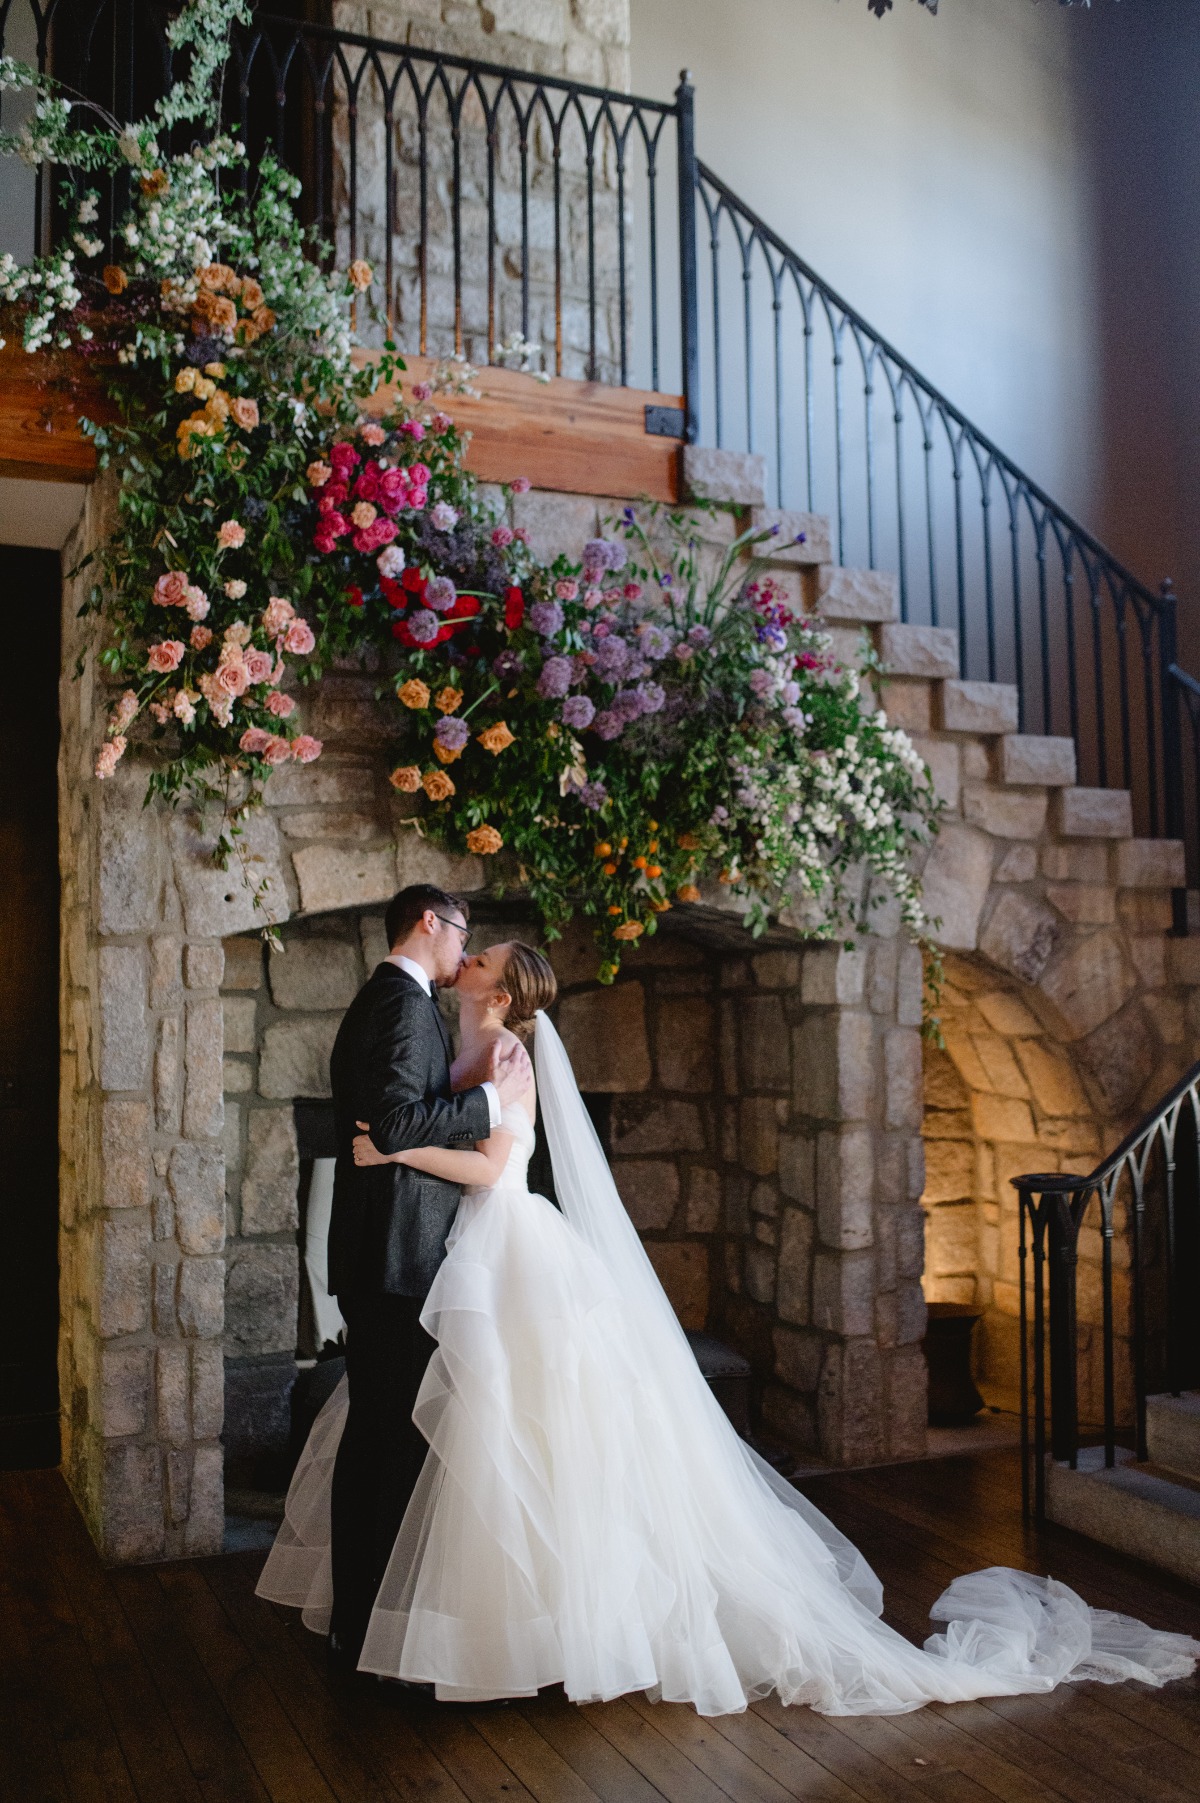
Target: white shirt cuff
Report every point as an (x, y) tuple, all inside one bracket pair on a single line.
[(489, 1090)]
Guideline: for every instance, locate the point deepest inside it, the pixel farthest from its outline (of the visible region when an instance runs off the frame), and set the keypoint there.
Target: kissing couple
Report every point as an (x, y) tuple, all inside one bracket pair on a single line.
[(523, 1478)]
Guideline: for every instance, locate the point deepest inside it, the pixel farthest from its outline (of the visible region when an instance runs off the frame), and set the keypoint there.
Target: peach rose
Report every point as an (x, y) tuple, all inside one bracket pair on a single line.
[(414, 693), (361, 275), (238, 634), (277, 749), (235, 588), (232, 676), (109, 756), (254, 740), (124, 712), (215, 276), (200, 638), (252, 294), (167, 655), (185, 706), (407, 778), (362, 514), (278, 615), (372, 433), (259, 665), (630, 929), (446, 754), (280, 705), (484, 841), (218, 700), (447, 699), (196, 603), (245, 412), (496, 738), (437, 785), (203, 388), (318, 473), (306, 749), (264, 319), (298, 639), (171, 590), (216, 371), (114, 278), (687, 892), (185, 381)]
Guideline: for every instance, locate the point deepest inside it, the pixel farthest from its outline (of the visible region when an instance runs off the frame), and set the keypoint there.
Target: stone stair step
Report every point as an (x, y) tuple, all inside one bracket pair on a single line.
[(919, 650), (1034, 762), (1144, 1511), (1151, 864), (870, 597), (1173, 1432), (990, 708), (1095, 814)]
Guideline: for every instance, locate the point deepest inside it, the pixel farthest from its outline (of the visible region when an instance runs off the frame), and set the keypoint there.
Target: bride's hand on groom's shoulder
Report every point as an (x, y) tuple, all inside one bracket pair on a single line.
[(510, 1070)]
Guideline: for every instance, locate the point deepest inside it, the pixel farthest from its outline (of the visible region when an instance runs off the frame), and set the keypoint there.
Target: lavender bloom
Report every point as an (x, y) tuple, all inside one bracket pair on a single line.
[(608, 725), (636, 669), (424, 626), (440, 594), (555, 678), (452, 732), (684, 652), (626, 706), (654, 642), (546, 617), (612, 658), (790, 693), (443, 516), (699, 636), (652, 696), (773, 637), (578, 711), (762, 683), (509, 663), (617, 555), (719, 816), (793, 717), (595, 557), (593, 795)]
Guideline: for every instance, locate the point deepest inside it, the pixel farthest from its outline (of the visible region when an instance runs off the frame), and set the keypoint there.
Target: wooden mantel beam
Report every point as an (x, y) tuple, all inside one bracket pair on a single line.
[(578, 437)]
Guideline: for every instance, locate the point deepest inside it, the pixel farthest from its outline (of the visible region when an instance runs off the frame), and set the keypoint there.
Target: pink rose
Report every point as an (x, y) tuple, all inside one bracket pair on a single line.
[(124, 712), (299, 639), (231, 536), (277, 616), (502, 537), (393, 490), (344, 459), (421, 392), (520, 485), (259, 665), (367, 486), (372, 434), (521, 534), (417, 499), (419, 474), (324, 542), (171, 590), (197, 603), (280, 705), (441, 422), (255, 740), (168, 655), (110, 755), (306, 748), (200, 638), (185, 707), (232, 677), (277, 750), (219, 700), (566, 590), (380, 532), (412, 428)]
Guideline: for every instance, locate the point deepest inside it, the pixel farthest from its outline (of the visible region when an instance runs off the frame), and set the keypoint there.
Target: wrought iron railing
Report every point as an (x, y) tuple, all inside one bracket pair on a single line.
[(495, 202), (1142, 1205)]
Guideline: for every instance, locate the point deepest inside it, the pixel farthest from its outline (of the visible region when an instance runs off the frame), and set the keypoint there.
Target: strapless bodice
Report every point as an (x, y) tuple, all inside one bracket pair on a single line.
[(514, 1120)]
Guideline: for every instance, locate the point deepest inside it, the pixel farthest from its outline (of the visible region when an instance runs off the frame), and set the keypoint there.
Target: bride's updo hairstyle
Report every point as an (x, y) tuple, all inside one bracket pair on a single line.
[(529, 980)]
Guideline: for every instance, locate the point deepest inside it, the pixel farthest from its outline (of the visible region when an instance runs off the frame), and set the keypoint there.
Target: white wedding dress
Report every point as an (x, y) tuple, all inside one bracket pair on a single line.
[(588, 1516)]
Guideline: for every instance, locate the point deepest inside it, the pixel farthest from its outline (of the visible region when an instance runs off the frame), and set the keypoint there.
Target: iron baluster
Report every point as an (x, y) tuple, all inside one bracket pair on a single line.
[(689, 295)]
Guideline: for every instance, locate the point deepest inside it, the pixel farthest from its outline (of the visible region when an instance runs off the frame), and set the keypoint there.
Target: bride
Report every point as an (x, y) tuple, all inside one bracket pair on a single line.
[(586, 1514)]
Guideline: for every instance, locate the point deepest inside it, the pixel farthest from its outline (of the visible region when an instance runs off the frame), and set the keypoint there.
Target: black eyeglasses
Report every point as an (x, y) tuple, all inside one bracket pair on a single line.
[(465, 931)]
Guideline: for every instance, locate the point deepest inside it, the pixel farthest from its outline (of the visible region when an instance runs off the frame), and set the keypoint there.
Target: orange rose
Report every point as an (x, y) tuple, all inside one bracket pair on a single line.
[(447, 699), (688, 842), (407, 778), (445, 754), (414, 693), (496, 738), (661, 907), (224, 316), (687, 892), (215, 276), (154, 184), (115, 279), (361, 275), (437, 785), (630, 929), (264, 319), (252, 294), (484, 841), (245, 412)]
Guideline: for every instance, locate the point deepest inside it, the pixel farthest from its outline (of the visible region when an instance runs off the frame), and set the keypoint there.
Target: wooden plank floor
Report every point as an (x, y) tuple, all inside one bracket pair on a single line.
[(174, 1682)]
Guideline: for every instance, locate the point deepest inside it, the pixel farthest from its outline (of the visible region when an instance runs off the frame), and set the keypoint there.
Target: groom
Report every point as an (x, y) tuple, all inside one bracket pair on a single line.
[(391, 1066)]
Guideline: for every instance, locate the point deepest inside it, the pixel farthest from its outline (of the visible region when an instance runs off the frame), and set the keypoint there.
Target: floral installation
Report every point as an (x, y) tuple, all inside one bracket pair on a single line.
[(615, 731)]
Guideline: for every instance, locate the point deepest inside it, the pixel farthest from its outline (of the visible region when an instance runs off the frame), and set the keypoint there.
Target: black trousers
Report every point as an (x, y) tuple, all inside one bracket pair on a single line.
[(381, 1451)]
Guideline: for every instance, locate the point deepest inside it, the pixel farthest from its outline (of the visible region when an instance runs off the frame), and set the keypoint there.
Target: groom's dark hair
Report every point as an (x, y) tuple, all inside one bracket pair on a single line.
[(404, 910)]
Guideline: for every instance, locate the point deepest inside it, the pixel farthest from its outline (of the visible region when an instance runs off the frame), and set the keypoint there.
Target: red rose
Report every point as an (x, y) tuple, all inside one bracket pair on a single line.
[(393, 594), (344, 458), (354, 596), (367, 486), (324, 542), (400, 631), (413, 581), (514, 608)]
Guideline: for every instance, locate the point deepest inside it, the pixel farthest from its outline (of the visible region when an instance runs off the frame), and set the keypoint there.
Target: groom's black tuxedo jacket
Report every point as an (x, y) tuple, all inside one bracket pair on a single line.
[(391, 1067)]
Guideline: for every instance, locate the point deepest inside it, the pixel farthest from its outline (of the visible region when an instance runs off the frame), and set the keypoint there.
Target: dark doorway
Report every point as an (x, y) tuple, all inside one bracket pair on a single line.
[(30, 591)]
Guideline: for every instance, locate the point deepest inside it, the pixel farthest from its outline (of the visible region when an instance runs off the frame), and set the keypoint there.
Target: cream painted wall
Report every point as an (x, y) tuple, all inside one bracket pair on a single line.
[(933, 170)]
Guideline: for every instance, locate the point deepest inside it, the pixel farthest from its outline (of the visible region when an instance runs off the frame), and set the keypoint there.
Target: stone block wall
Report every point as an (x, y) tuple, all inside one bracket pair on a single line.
[(584, 39)]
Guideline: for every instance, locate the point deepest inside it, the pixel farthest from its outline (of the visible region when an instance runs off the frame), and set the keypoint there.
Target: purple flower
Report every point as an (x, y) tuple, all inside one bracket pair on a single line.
[(761, 683), (440, 594), (593, 795), (626, 706), (452, 732), (654, 642), (424, 626), (555, 678), (719, 816), (684, 652), (652, 696), (578, 711), (699, 636), (773, 637), (608, 725), (612, 657), (546, 617), (617, 556), (629, 516), (790, 693), (666, 579), (509, 663), (595, 556), (794, 718), (443, 516)]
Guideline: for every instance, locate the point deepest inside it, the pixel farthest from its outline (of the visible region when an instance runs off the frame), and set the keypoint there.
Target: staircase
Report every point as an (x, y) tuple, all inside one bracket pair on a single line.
[(1148, 1508)]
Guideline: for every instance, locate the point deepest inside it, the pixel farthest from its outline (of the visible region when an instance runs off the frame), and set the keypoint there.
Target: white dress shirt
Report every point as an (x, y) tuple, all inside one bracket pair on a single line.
[(412, 969)]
